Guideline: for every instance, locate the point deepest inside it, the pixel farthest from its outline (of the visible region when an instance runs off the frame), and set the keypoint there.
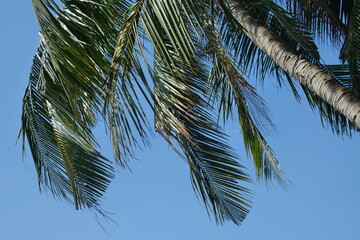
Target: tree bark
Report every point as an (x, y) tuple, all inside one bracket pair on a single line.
[(307, 73)]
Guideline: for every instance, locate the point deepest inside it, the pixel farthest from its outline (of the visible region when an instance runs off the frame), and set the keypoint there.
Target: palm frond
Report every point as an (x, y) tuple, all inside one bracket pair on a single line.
[(351, 47), (122, 102), (327, 19), (78, 42), (181, 112), (79, 37), (342, 72), (230, 87), (181, 116), (64, 150)]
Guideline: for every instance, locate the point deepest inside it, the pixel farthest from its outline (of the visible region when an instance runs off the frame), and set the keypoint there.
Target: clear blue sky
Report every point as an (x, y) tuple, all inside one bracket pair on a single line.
[(156, 200)]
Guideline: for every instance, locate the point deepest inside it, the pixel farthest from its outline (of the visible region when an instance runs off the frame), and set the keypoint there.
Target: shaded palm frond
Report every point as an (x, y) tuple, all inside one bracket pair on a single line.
[(64, 151), (327, 19), (78, 42), (125, 115), (350, 51), (342, 72)]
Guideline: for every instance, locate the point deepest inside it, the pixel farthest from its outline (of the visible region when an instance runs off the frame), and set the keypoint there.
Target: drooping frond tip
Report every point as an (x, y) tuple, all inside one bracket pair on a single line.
[(63, 150)]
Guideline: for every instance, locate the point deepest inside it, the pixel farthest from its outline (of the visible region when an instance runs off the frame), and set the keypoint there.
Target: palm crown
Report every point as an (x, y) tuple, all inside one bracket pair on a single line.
[(187, 60)]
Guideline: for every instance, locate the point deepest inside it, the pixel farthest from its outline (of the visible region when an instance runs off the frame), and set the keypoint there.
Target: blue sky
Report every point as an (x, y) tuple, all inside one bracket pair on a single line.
[(156, 200)]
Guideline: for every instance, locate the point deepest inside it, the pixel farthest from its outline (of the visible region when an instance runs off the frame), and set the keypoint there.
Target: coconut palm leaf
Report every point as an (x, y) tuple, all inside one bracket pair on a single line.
[(327, 19), (63, 150), (182, 117), (351, 47), (76, 50), (229, 86), (122, 101), (214, 170)]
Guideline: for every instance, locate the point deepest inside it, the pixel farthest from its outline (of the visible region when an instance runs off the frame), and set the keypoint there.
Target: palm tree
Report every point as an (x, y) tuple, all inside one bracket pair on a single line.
[(186, 60), (309, 74)]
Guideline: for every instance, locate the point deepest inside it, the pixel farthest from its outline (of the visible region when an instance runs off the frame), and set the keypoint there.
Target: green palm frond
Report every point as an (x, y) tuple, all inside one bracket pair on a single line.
[(122, 101), (63, 150), (327, 19), (181, 116), (69, 36), (228, 85), (124, 113), (181, 113), (76, 50), (125, 43), (297, 32), (342, 72), (81, 37), (350, 51), (265, 162), (89, 66)]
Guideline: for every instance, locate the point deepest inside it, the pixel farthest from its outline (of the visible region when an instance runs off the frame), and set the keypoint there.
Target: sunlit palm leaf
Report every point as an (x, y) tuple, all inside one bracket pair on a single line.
[(231, 89), (181, 113), (122, 101), (214, 169), (265, 162), (74, 67)]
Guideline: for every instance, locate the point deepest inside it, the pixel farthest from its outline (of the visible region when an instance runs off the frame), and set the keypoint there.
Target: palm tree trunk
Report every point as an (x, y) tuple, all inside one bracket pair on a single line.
[(307, 73)]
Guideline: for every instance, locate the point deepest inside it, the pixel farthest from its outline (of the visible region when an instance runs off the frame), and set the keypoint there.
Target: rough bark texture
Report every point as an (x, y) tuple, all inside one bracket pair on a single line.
[(308, 74)]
